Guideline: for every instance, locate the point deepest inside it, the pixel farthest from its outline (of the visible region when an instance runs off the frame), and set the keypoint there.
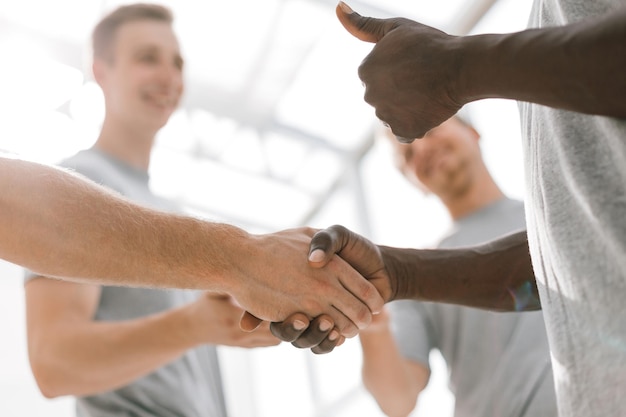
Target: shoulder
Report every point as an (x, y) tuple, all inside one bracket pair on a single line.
[(88, 163), (498, 219), (99, 169)]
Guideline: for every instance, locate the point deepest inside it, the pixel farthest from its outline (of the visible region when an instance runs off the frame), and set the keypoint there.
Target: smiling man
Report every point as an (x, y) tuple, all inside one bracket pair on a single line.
[(499, 364), (120, 350)]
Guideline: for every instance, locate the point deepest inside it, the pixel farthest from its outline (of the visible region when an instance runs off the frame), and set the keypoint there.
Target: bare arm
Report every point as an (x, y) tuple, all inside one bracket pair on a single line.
[(417, 76), (71, 354), (496, 276), (577, 67), (59, 224), (393, 381)]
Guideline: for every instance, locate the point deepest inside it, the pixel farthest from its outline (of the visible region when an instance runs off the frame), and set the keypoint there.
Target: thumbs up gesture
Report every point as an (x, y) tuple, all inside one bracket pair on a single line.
[(412, 76)]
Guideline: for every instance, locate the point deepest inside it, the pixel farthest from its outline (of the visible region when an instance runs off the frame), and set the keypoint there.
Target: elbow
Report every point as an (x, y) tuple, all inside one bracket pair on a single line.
[(46, 384), (49, 378)]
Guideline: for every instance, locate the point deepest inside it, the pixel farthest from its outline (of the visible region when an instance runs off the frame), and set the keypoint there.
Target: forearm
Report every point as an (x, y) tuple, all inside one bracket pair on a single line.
[(386, 376), (577, 67), (495, 276), (87, 358), (61, 225)]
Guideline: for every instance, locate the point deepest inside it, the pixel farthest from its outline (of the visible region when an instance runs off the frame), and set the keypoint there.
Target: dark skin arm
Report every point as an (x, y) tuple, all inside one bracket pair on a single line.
[(416, 76), (496, 276)]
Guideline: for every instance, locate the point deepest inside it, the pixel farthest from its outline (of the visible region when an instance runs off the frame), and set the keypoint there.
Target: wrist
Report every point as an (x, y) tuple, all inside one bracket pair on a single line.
[(190, 330), (223, 250), (463, 86), (479, 69), (400, 271), (417, 274), (375, 329)]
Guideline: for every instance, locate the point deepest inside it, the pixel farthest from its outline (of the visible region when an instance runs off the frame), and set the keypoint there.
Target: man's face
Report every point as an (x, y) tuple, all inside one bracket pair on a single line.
[(441, 162), (143, 80)]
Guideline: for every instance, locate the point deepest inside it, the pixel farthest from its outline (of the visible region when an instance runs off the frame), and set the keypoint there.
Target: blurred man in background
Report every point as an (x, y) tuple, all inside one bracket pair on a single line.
[(499, 364), (120, 350)]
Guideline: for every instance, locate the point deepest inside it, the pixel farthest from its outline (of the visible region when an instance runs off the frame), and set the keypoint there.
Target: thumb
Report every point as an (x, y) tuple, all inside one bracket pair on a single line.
[(249, 322), (326, 243), (367, 29)]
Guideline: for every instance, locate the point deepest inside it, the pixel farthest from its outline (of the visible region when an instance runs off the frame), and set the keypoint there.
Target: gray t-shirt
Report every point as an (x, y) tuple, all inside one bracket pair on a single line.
[(498, 363), (189, 386), (576, 201)]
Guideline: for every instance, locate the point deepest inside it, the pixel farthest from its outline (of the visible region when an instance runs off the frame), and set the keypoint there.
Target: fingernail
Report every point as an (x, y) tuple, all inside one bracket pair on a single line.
[(346, 9), (316, 256), (325, 325), (299, 325), (333, 335)]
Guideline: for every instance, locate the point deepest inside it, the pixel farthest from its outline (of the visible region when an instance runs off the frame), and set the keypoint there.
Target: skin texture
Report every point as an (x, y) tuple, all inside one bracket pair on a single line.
[(488, 276), (496, 276), (416, 76), (56, 223)]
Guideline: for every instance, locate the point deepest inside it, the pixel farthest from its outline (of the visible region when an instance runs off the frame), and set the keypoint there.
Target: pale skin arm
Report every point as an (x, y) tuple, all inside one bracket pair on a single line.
[(71, 354), (61, 225), (416, 76), (394, 381)]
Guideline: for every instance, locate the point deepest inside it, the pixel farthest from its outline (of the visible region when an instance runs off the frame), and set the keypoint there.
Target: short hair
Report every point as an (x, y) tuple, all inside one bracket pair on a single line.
[(104, 32)]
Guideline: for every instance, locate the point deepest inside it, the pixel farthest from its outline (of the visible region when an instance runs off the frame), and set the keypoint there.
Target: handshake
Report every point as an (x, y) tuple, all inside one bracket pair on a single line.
[(360, 276), (357, 266)]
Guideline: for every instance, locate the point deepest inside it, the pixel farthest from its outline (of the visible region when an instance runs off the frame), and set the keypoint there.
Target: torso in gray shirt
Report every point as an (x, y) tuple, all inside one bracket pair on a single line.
[(189, 386), (499, 363), (576, 194)]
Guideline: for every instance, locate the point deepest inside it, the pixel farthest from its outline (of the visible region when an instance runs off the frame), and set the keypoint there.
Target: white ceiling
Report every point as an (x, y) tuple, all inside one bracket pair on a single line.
[(273, 122)]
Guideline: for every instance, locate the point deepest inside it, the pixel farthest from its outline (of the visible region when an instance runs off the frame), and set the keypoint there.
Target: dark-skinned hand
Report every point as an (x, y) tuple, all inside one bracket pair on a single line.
[(319, 334), (412, 74), (362, 255)]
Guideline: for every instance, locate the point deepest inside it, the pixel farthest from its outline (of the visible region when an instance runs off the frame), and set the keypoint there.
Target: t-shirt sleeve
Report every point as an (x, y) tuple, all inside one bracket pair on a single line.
[(412, 330)]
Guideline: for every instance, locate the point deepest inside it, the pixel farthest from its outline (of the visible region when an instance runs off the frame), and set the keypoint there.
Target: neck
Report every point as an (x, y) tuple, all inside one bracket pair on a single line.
[(480, 193), (130, 144)]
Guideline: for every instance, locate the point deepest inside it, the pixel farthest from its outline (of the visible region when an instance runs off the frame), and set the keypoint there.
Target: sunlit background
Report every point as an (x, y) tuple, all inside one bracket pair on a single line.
[(273, 133)]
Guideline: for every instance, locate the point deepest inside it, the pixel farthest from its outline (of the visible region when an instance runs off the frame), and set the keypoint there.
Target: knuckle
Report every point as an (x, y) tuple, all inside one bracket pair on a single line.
[(281, 332), (348, 329), (309, 231), (338, 228), (321, 240), (364, 315), (312, 306)]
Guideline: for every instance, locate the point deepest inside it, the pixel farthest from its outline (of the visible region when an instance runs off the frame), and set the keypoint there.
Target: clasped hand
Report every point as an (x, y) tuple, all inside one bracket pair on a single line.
[(319, 333)]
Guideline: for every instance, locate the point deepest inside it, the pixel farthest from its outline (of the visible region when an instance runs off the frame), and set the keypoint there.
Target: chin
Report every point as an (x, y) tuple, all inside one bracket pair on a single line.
[(162, 119)]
